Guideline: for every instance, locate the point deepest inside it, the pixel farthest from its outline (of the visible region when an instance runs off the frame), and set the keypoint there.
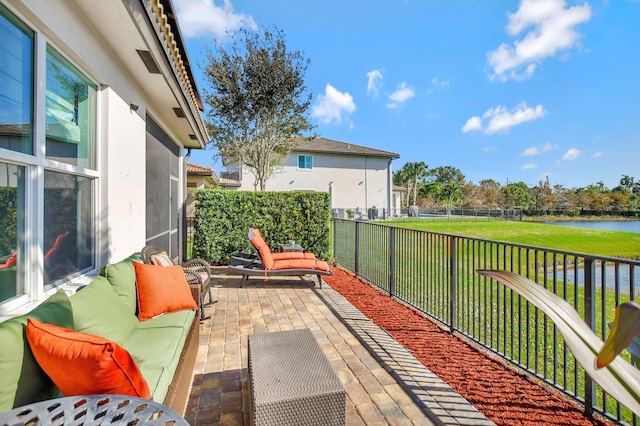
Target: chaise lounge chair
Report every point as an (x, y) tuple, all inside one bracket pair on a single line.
[(268, 264)]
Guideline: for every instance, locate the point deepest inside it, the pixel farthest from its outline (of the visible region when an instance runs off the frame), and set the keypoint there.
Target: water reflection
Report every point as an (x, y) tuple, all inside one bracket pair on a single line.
[(623, 276)]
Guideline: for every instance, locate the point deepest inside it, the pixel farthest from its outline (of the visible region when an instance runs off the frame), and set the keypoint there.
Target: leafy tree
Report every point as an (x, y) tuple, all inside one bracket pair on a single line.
[(450, 193), (258, 100), (491, 193), (545, 199), (411, 174), (447, 174), (517, 195)]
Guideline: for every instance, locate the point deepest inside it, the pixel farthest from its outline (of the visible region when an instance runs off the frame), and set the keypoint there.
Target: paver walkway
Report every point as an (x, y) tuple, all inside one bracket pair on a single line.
[(385, 384)]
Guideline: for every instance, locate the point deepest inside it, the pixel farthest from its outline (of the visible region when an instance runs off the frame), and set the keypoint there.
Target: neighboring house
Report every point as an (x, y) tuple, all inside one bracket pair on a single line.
[(398, 198), (198, 177), (357, 177), (98, 104)]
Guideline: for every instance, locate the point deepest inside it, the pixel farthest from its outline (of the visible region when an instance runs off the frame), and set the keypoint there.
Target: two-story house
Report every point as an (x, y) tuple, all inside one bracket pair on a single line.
[(357, 177)]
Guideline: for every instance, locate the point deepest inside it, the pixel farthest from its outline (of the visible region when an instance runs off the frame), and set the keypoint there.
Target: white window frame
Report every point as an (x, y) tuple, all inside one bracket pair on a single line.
[(35, 166), (298, 162)]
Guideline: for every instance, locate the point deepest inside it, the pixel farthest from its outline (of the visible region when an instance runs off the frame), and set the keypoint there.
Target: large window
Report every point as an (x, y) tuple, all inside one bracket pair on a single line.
[(55, 172), (16, 87), (305, 162), (68, 232), (71, 105)]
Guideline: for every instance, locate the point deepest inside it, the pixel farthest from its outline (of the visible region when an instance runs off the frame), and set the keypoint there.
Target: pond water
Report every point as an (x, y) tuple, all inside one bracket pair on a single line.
[(626, 226), (624, 272)]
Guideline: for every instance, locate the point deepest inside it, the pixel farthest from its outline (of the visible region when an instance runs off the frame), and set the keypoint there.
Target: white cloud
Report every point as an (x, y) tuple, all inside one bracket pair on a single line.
[(472, 124), (529, 151), (332, 105), (571, 154), (203, 18), (375, 82), (597, 154), (534, 150), (529, 166), (501, 119), (437, 85), (551, 28), (401, 95)]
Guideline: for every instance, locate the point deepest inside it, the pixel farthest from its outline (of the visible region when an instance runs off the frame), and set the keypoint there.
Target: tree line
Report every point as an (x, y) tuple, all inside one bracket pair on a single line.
[(446, 186)]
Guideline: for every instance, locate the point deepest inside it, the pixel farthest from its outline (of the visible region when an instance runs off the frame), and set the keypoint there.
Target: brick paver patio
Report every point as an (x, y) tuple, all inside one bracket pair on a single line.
[(385, 384)]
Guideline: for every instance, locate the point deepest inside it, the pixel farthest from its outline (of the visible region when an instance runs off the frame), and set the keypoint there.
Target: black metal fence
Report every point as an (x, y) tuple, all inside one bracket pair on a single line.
[(435, 273), (434, 213)]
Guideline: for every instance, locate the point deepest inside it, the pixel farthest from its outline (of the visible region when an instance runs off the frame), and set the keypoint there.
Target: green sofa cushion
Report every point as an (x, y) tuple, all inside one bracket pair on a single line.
[(98, 310), (22, 381), (182, 319), (122, 277), (154, 348)]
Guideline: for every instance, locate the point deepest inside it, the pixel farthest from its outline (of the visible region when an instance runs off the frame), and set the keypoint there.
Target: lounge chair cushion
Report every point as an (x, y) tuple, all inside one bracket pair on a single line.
[(162, 289), (293, 255), (294, 264), (322, 265), (262, 247), (98, 365), (300, 264)]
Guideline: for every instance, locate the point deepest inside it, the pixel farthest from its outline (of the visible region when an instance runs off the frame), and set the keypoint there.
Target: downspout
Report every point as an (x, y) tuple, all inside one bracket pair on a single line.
[(366, 190), (389, 187), (183, 219)]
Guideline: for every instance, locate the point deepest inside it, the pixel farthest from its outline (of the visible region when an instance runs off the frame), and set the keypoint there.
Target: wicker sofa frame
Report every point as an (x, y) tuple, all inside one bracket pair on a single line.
[(180, 388)]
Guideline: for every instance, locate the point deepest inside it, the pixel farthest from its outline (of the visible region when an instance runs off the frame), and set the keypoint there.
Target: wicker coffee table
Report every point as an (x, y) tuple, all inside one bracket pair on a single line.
[(93, 410), (292, 381)]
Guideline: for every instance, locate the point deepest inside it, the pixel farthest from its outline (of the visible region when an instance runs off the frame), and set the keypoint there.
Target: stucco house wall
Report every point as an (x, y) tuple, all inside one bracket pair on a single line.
[(101, 40), (355, 176)]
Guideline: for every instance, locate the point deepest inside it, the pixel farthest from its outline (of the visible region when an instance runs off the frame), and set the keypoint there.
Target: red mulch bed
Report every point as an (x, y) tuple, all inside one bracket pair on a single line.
[(498, 391)]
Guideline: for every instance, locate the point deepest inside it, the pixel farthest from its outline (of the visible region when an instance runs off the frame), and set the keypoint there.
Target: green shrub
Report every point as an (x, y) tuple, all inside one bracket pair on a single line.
[(223, 219)]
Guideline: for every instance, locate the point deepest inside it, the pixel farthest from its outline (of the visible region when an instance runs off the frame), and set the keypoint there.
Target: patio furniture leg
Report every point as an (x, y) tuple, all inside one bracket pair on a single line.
[(319, 280)]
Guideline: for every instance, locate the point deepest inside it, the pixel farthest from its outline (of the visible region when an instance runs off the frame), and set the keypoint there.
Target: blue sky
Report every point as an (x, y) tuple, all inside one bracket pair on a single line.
[(501, 90)]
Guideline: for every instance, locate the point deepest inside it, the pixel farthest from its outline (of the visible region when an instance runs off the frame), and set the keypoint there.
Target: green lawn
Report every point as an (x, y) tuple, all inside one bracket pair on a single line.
[(592, 241)]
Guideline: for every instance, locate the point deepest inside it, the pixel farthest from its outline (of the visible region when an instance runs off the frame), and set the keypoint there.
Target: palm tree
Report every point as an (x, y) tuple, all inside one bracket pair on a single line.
[(415, 172)]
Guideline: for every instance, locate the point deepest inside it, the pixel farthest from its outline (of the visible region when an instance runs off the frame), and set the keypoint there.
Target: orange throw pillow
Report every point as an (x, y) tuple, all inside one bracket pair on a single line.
[(161, 289), (84, 364)]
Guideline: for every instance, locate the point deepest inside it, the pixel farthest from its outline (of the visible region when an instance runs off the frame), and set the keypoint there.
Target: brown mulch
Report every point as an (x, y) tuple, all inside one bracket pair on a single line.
[(498, 391)]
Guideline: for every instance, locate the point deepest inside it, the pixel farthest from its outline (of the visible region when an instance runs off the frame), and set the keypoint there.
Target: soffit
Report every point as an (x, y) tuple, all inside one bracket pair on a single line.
[(126, 27)]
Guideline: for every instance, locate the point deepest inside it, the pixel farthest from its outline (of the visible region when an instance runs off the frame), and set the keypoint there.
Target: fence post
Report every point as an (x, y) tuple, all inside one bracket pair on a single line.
[(589, 318), (392, 260), (357, 246), (453, 274), (335, 238)]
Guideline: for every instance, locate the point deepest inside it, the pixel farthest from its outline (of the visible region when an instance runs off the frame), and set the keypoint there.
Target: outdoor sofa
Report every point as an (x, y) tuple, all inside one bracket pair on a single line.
[(163, 347)]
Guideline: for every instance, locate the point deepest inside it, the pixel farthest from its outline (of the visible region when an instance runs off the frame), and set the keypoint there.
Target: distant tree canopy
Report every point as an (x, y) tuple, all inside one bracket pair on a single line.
[(258, 100), (445, 186)]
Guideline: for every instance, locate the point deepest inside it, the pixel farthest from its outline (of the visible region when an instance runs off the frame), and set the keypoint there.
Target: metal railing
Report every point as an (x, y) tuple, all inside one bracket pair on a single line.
[(433, 213), (435, 273)]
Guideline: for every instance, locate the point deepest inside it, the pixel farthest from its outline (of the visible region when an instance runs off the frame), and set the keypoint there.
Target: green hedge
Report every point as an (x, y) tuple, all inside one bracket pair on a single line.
[(223, 219)]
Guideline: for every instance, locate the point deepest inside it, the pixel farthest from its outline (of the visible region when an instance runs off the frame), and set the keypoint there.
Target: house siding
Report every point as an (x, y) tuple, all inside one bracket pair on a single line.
[(353, 181), (100, 39)]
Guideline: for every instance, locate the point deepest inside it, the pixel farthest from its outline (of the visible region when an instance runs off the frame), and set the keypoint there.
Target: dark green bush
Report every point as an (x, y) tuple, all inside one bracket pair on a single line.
[(223, 219)]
